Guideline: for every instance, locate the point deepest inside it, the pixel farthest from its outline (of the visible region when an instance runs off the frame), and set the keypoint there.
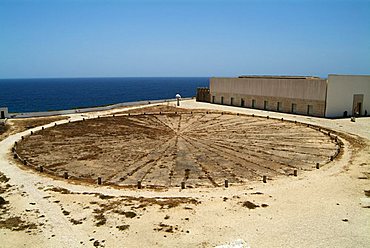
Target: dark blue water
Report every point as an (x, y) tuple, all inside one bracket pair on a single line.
[(29, 95)]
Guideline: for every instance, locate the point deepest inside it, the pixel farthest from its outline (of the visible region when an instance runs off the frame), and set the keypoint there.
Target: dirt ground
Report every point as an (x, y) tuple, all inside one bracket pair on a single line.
[(177, 145), (13, 126), (326, 207)]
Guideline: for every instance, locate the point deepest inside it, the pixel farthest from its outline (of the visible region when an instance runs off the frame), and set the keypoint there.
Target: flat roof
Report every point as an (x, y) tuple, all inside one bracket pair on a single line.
[(280, 77)]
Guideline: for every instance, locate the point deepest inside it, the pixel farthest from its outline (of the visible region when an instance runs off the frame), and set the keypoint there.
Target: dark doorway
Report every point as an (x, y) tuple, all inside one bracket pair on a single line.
[(309, 110), (359, 108), (253, 103), (213, 99), (357, 104), (242, 102), (294, 108), (2, 115), (278, 106), (222, 100)]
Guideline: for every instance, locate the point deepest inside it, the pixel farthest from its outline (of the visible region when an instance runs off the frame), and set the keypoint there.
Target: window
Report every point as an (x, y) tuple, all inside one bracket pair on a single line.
[(294, 107), (265, 103), (253, 103)]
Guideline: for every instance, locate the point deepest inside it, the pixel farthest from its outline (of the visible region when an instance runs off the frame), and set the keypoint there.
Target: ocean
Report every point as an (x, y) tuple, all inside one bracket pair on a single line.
[(34, 95)]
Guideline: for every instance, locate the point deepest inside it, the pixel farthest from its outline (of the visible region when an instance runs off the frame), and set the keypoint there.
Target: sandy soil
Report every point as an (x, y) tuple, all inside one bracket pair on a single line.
[(326, 207), (167, 148)]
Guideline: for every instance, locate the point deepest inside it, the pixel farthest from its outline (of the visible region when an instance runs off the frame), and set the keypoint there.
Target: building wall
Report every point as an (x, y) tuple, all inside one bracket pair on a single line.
[(301, 92), (203, 95), (310, 89), (341, 91)]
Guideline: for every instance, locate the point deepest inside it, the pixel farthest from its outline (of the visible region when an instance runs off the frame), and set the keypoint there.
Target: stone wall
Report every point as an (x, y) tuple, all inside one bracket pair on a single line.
[(301, 106)]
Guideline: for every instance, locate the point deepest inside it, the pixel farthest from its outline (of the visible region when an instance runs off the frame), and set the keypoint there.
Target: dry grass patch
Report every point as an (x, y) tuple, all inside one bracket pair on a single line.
[(250, 205), (16, 224), (14, 126), (123, 227)]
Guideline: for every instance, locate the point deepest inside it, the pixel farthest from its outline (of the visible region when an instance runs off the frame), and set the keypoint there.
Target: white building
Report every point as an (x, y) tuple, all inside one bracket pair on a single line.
[(4, 113), (347, 94), (336, 96)]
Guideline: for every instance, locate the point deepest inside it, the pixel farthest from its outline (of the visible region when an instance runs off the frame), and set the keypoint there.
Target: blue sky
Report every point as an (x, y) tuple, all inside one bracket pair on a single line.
[(183, 38)]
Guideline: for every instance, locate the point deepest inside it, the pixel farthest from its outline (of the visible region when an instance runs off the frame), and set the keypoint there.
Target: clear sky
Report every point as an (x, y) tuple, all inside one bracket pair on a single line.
[(90, 38)]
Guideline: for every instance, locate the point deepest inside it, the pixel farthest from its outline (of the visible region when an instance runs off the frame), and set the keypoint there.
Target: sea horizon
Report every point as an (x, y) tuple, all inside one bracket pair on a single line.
[(53, 94), (98, 77)]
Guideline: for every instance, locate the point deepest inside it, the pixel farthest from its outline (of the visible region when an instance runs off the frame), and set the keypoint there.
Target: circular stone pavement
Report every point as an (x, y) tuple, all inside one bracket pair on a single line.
[(163, 150)]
